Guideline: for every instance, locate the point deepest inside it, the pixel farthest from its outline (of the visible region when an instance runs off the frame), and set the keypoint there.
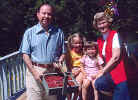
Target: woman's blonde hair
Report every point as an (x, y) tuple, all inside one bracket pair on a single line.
[(101, 16)]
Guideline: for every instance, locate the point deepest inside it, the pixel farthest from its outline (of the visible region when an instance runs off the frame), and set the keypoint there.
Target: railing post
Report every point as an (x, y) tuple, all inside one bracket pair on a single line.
[(5, 83), (12, 76), (1, 83)]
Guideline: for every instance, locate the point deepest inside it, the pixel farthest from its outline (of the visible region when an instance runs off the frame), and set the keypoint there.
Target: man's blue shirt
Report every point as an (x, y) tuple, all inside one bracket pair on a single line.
[(41, 47)]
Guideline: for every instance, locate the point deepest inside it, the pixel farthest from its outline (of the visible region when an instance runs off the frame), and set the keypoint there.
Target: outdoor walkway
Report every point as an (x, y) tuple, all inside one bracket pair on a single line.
[(22, 97)]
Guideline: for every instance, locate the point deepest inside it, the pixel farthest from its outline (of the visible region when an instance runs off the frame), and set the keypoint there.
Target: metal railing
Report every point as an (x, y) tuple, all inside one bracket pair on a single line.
[(12, 76)]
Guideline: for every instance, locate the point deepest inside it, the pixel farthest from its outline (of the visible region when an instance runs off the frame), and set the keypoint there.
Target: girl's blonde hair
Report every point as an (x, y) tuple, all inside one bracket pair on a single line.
[(69, 48), (70, 39), (101, 16)]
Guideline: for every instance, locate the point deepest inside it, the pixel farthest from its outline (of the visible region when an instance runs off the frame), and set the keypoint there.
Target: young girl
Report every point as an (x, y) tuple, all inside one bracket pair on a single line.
[(75, 47), (91, 65)]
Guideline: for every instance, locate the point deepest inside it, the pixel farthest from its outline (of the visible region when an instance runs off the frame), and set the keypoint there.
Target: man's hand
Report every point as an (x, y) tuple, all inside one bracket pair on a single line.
[(37, 75), (61, 58), (58, 67)]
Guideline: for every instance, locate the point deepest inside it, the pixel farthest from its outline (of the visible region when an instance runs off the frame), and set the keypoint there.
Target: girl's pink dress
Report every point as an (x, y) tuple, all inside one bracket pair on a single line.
[(91, 65)]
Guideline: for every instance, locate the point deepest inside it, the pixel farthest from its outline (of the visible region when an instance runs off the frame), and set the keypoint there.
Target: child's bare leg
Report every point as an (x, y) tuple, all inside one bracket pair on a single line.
[(107, 93), (69, 96), (75, 95), (95, 91), (79, 80), (86, 84)]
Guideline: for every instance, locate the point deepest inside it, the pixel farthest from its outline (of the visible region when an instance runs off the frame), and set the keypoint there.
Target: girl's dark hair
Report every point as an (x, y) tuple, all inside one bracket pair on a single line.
[(46, 3), (90, 44)]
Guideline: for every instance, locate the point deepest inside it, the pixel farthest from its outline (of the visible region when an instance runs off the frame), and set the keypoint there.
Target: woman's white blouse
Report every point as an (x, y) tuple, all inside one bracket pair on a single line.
[(115, 44)]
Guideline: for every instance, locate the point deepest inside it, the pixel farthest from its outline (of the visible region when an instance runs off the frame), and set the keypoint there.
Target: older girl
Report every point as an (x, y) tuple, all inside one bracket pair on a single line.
[(75, 47)]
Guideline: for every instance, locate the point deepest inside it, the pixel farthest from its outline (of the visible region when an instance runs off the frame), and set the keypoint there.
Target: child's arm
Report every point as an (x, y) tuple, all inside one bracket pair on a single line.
[(100, 69), (82, 63), (100, 63), (82, 70)]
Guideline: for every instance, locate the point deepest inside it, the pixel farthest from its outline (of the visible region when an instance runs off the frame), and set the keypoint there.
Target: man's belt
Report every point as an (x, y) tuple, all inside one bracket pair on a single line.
[(42, 65)]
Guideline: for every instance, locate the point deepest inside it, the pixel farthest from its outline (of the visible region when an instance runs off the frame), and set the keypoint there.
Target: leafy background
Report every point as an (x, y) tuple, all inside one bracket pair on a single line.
[(71, 15)]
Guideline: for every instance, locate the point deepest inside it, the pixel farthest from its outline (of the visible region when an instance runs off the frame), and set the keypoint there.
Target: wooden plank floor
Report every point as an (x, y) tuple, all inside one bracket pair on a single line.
[(22, 97)]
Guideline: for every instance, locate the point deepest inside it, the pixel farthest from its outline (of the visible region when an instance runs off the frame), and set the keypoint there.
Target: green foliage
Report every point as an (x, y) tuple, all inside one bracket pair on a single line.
[(75, 15), (71, 15)]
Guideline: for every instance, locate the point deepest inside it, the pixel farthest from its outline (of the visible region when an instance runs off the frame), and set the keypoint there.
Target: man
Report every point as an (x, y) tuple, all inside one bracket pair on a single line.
[(41, 44)]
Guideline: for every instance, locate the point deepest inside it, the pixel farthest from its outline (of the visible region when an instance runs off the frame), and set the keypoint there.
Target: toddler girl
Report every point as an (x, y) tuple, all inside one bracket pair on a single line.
[(91, 65)]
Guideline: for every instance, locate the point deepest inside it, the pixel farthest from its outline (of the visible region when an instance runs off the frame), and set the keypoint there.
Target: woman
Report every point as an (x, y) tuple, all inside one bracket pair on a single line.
[(113, 76)]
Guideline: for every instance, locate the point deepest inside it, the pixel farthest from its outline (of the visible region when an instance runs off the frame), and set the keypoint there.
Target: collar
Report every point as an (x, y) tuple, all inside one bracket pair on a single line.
[(105, 35), (39, 28)]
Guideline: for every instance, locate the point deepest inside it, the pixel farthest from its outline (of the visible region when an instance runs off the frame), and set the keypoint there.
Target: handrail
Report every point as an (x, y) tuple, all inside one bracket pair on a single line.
[(9, 55), (12, 75)]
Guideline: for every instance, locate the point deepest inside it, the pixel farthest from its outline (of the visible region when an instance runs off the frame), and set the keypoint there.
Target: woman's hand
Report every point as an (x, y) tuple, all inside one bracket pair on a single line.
[(112, 62), (100, 73)]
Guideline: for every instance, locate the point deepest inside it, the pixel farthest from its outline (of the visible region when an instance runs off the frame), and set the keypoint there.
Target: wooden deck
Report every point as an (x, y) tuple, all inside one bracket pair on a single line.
[(22, 97)]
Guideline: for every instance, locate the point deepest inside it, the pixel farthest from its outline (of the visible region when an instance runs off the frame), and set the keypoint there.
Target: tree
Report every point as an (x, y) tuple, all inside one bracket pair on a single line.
[(71, 15), (13, 23)]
